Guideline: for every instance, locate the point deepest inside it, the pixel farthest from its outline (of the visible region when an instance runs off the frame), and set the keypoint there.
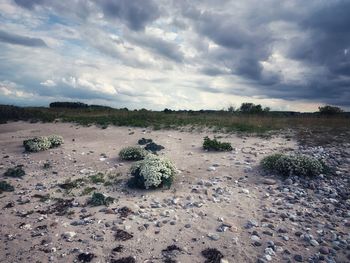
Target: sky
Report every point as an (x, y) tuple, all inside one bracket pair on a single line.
[(179, 54)]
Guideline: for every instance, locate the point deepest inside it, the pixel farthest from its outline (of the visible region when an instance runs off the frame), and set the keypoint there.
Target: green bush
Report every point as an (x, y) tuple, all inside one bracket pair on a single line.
[(286, 165), (42, 143), (132, 153), (55, 140), (16, 171), (37, 144), (152, 172), (6, 187), (98, 199), (215, 145)]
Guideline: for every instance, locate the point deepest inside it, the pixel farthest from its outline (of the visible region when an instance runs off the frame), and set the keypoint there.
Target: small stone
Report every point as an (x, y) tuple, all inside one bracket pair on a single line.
[(211, 168), (324, 250), (213, 236), (244, 191), (314, 242), (298, 258), (255, 238), (269, 181)]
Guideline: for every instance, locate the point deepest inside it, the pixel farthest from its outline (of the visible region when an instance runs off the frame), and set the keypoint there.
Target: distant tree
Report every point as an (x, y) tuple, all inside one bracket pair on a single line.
[(231, 109), (329, 110), (248, 107), (72, 105), (266, 109), (166, 110)]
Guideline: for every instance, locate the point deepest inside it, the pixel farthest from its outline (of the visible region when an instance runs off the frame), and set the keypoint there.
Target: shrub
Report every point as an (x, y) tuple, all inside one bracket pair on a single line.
[(152, 172), (6, 187), (17, 171), (329, 110), (215, 145), (37, 144), (55, 140), (293, 165), (153, 147), (144, 141), (42, 143), (98, 199), (132, 153)]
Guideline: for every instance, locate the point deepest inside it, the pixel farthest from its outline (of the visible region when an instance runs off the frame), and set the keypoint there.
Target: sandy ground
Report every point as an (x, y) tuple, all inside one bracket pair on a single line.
[(188, 215)]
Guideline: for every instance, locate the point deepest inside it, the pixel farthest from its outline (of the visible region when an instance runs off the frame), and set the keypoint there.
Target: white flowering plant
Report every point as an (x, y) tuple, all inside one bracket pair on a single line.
[(152, 172), (42, 143), (294, 165), (55, 140), (132, 153), (37, 144)]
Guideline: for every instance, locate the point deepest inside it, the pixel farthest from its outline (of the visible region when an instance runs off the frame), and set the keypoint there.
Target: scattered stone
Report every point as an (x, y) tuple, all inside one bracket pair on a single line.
[(298, 258), (213, 236), (269, 181)]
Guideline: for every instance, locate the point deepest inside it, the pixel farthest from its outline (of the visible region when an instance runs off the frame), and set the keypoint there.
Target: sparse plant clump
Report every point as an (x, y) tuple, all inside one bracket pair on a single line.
[(132, 153), (215, 145), (43, 143), (153, 147), (98, 199), (301, 165), (144, 141), (6, 187), (16, 171), (97, 178), (152, 172)]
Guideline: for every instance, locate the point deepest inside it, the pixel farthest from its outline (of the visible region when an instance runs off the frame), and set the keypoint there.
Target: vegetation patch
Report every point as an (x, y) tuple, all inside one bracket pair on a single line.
[(98, 199), (153, 147), (42, 143), (97, 178), (121, 235), (55, 140), (16, 171), (300, 165), (6, 187), (132, 153), (152, 172), (212, 255), (88, 190), (215, 145), (144, 141), (69, 185)]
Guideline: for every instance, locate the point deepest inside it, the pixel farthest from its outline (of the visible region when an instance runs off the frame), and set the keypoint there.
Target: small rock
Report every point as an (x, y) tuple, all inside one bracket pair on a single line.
[(213, 236)]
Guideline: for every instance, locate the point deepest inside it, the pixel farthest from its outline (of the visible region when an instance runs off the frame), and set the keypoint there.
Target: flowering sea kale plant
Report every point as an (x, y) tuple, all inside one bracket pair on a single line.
[(42, 143), (55, 140), (152, 172), (294, 165), (132, 153)]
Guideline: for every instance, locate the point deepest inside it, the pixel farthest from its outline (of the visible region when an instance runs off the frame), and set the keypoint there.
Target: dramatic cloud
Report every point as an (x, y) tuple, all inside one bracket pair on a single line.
[(176, 54), (21, 40)]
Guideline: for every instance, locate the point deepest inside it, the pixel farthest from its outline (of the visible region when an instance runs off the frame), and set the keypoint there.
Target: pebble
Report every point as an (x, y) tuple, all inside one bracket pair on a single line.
[(298, 258), (324, 250), (213, 236)]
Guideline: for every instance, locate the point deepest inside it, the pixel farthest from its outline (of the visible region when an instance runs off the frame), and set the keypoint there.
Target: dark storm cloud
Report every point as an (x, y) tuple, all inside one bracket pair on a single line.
[(136, 13), (29, 4), (322, 45), (21, 40), (220, 38), (157, 45)]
